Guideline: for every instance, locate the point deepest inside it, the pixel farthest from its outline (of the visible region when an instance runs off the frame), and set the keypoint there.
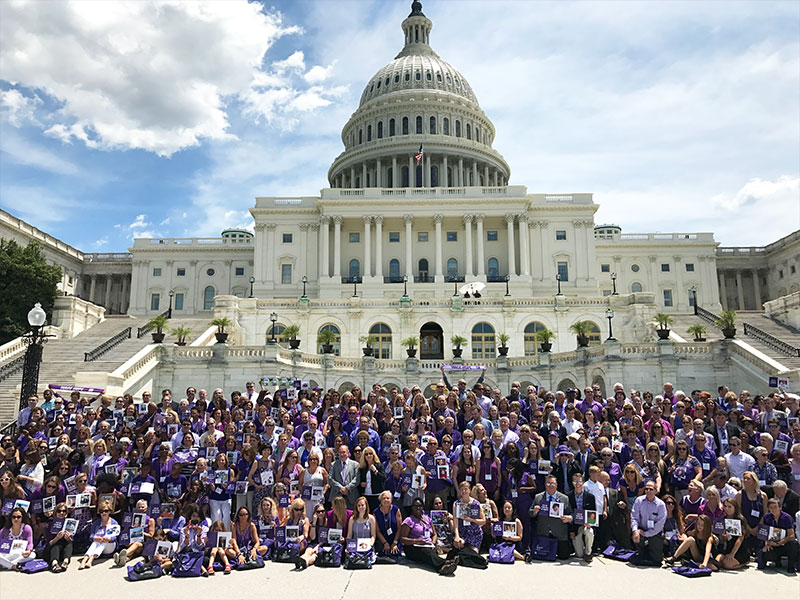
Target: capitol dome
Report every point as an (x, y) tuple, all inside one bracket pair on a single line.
[(418, 101)]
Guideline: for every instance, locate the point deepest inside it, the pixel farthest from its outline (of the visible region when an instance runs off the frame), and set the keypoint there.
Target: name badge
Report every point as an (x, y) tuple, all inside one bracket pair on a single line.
[(755, 513), (389, 531), (469, 477), (651, 524), (762, 482), (488, 477), (397, 494), (706, 467)]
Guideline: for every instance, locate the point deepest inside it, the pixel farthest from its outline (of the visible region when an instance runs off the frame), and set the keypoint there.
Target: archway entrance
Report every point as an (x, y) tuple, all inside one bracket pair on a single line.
[(431, 341)]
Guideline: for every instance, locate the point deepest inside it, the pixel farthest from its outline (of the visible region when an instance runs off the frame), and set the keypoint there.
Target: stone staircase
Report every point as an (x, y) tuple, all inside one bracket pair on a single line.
[(63, 358), (756, 319)]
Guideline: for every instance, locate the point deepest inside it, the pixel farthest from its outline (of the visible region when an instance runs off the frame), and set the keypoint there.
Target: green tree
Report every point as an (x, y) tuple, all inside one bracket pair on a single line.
[(25, 278)]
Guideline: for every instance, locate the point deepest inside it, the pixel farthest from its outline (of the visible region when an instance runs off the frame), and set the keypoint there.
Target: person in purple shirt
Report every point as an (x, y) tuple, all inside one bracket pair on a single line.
[(436, 486), (773, 549), (706, 458), (609, 466), (648, 515)]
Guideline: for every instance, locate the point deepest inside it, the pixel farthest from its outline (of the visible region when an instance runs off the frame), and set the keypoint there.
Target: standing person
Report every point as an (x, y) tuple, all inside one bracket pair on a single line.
[(419, 541), (551, 526), (219, 499), (345, 477), (372, 475), (104, 536), (582, 536), (388, 519), (647, 524)]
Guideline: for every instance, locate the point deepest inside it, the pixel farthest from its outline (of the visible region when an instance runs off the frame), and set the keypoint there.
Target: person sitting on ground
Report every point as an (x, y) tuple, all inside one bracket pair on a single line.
[(419, 541)]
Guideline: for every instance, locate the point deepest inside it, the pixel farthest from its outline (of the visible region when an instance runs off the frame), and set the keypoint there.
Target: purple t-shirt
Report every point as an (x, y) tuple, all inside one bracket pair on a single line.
[(420, 530)]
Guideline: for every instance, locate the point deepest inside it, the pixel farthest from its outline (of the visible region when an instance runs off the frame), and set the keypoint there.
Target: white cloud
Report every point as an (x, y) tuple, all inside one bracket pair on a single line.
[(21, 151), (757, 190), (17, 108), (140, 227), (319, 73), (103, 241)]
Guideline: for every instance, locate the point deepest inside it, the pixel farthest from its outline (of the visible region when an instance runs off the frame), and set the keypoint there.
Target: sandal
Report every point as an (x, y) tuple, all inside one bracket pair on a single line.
[(227, 570), (64, 564), (210, 570)]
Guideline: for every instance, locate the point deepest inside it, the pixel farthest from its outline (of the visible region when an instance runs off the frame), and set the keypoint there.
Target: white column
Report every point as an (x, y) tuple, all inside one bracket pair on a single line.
[(486, 175), (366, 270), (512, 266), (545, 258), (536, 270), (412, 174), (302, 259), (475, 181), (363, 175), (757, 286), (468, 253), (94, 284), (269, 251), (395, 174), (461, 172), (378, 175), (739, 290), (312, 270), (409, 219), (524, 256), (480, 240), (352, 177), (723, 291), (679, 301), (325, 231), (437, 220), (337, 246), (107, 295), (443, 177), (126, 292), (379, 247), (578, 251), (427, 172)]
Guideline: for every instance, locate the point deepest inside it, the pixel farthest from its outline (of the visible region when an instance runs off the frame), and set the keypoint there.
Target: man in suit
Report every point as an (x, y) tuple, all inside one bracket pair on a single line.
[(584, 457), (345, 477), (614, 527), (582, 536), (789, 499), (564, 469), (722, 431), (553, 527)]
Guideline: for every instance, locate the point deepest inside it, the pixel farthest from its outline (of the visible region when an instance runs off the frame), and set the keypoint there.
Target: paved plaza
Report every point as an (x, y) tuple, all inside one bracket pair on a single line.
[(562, 581)]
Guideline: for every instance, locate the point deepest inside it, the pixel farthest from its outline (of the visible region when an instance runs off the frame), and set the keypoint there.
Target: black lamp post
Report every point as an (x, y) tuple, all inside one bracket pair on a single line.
[(355, 286), (305, 281), (609, 316), (558, 282), (169, 310), (405, 286), (614, 284), (252, 281), (33, 355), (455, 288), (272, 317), (508, 277)]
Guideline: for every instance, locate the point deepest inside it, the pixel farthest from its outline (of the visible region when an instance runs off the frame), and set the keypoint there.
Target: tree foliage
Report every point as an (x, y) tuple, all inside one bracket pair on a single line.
[(25, 279)]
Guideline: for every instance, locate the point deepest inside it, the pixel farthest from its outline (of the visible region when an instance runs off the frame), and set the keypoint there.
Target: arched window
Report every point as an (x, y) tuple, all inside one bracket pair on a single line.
[(337, 344), (493, 269), (380, 129), (446, 126), (433, 125), (452, 269), (419, 125), (360, 136), (208, 297), (391, 127), (383, 340), (531, 345), (483, 341), (280, 337), (422, 267), (394, 271), (355, 270), (369, 132), (594, 335), (458, 128), (477, 134), (405, 125), (469, 132), (636, 287)]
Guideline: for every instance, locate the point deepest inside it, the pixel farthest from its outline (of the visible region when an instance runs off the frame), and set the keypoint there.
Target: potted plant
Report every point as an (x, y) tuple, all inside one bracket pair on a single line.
[(158, 323), (368, 341), (221, 323), (411, 344), (544, 337), (502, 349), (326, 338), (727, 323), (291, 332), (663, 321), (582, 329), (181, 333), (457, 342), (698, 331)]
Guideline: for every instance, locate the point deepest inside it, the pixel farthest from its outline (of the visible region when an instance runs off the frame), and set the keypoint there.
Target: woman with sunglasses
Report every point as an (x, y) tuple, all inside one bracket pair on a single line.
[(104, 534), (419, 541), (631, 485), (317, 521), (59, 546), (17, 527), (664, 442), (684, 468), (674, 526), (244, 541)]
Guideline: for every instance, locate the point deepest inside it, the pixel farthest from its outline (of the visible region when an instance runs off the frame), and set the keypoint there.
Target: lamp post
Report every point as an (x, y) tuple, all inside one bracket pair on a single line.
[(355, 286), (558, 282), (272, 317), (508, 277), (609, 316), (614, 284), (169, 310), (33, 355), (252, 281), (455, 288), (405, 286), (693, 297), (305, 281)]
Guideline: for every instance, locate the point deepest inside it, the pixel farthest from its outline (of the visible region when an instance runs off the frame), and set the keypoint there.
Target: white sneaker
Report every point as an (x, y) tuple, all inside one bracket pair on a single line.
[(123, 557), (116, 558)]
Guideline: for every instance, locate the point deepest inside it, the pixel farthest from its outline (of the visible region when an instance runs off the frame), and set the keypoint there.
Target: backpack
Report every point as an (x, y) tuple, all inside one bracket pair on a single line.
[(692, 570), (139, 572), (329, 556), (188, 564)]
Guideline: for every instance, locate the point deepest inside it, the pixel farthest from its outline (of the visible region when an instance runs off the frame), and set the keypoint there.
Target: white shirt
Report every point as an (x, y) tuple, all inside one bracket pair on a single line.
[(571, 425), (598, 490), (739, 463)]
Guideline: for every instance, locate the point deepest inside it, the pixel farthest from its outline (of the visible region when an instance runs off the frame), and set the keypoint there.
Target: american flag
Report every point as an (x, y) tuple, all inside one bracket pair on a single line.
[(419, 155)]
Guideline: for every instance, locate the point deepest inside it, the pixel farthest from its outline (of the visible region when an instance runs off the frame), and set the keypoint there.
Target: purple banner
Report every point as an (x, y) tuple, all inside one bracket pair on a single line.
[(464, 367), (75, 388)]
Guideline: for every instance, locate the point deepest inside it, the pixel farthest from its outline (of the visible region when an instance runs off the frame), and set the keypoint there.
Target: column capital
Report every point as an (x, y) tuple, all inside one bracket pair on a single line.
[(378, 219), (652, 258), (408, 218), (367, 218), (677, 259), (270, 226), (509, 217), (437, 218), (325, 219), (314, 226), (702, 258), (616, 258), (259, 227), (338, 219), (479, 218), (544, 224), (522, 218), (303, 226), (577, 224), (468, 219), (193, 263)]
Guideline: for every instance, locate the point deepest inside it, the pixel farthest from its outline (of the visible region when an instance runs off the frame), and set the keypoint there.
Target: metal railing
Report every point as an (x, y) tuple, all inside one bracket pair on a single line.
[(140, 331), (392, 279), (11, 367), (704, 314), (770, 340), (110, 343), (9, 428)]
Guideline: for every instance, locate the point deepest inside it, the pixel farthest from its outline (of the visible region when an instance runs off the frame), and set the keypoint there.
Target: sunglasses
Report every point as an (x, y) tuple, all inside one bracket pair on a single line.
[(15, 517), (297, 509), (669, 502), (106, 511)]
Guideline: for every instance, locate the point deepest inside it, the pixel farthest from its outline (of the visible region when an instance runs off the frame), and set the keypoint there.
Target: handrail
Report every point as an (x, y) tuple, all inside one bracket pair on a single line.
[(110, 343), (9, 428), (140, 331), (705, 314), (771, 341), (11, 367)]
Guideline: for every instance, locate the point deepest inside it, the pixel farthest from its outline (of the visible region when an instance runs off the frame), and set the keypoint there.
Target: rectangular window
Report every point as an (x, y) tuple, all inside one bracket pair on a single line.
[(605, 268), (287, 238), (422, 236), (792, 269), (355, 237), (181, 272), (563, 270), (692, 298), (561, 234), (394, 236), (157, 272), (667, 297), (491, 236), (606, 292), (664, 268), (179, 301), (452, 236), (286, 273), (689, 267), (780, 274), (240, 270), (155, 300)]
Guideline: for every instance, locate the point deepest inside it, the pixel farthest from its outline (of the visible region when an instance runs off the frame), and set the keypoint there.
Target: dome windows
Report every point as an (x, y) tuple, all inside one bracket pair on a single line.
[(380, 129), (469, 132), (405, 125), (439, 77), (379, 84), (446, 126), (433, 125), (428, 76), (449, 80), (391, 127), (369, 132), (418, 76), (419, 125), (408, 75), (458, 129), (386, 82), (397, 78)]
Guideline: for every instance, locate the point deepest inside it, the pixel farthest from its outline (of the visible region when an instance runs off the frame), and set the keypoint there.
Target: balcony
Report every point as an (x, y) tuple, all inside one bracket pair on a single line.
[(453, 278), (494, 278), (351, 279), (423, 278), (393, 279)]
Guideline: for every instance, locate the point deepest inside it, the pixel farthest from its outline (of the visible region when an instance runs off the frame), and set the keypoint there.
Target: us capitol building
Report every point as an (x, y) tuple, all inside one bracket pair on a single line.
[(385, 250)]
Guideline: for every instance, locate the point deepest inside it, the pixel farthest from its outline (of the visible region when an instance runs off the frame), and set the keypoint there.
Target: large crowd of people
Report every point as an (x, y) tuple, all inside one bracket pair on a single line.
[(445, 477)]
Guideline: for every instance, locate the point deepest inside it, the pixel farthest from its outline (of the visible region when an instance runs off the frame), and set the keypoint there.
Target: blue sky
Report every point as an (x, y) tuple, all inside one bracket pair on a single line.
[(168, 118)]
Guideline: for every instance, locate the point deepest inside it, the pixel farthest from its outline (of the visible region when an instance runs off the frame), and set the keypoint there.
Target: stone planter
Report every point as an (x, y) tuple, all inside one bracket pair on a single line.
[(502, 350), (294, 344), (583, 341), (367, 351), (221, 337), (545, 347), (412, 352), (663, 334), (327, 348), (457, 352), (158, 337), (729, 332)]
